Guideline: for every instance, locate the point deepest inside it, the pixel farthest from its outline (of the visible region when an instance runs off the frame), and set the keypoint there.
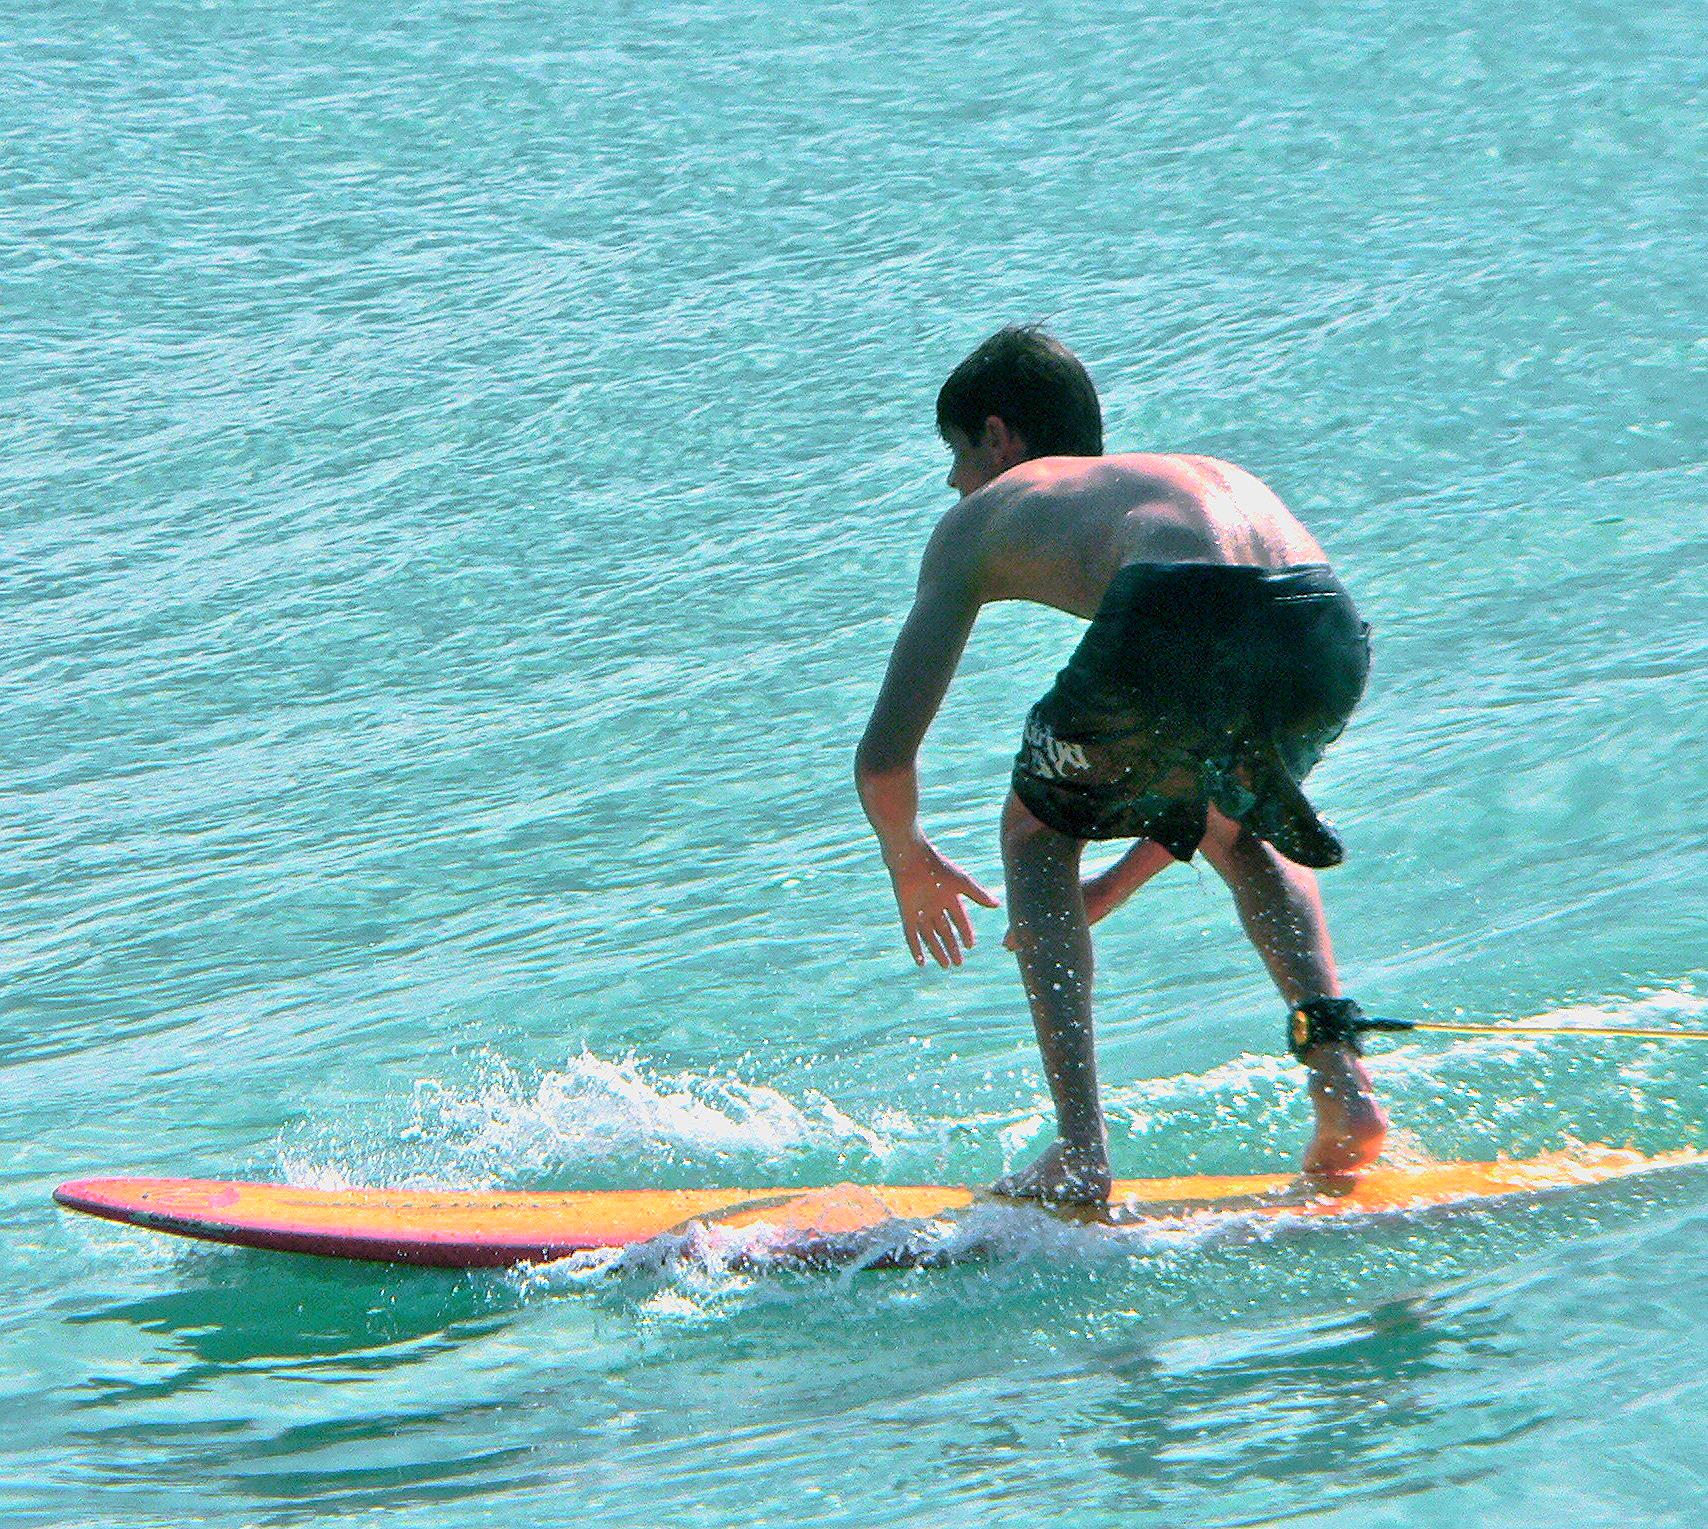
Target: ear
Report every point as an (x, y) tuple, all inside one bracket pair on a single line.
[(1007, 446)]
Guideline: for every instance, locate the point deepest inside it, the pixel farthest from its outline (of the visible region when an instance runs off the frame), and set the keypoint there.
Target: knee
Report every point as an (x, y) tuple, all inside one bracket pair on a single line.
[(1022, 834), (1237, 854), (1225, 842), (1034, 855)]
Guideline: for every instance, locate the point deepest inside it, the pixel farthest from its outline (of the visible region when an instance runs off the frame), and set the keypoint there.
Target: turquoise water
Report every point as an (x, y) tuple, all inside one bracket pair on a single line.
[(463, 468)]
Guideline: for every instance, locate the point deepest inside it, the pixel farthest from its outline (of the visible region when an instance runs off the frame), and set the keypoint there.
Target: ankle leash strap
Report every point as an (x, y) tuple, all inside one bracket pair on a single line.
[(1333, 1022)]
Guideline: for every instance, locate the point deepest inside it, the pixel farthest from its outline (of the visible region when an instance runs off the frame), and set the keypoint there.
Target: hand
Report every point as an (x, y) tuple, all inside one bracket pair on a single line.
[(928, 892)]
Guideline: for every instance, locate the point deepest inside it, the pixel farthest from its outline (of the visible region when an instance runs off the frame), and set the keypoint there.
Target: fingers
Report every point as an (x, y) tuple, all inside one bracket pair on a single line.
[(963, 921), (934, 919), (954, 884), (964, 883), (933, 941), (945, 932), (930, 930)]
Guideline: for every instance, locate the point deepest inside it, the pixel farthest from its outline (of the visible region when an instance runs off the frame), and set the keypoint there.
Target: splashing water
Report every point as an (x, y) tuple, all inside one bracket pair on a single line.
[(593, 1116)]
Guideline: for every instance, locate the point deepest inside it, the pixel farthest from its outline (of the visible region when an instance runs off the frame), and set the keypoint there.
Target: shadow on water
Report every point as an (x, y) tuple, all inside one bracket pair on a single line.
[(286, 1380), (1224, 1426), (279, 1311), (1346, 1408)]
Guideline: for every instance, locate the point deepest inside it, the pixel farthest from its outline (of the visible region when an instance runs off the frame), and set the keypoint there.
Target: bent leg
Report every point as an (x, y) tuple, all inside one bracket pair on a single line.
[(1053, 943), (1282, 911), (1114, 884), (1281, 908)]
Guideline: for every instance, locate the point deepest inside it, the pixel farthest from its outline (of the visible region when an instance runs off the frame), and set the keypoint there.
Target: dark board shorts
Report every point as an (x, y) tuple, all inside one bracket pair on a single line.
[(1199, 683)]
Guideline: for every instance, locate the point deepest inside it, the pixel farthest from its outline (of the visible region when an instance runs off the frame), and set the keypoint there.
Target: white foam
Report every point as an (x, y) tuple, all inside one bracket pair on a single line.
[(506, 1127), (689, 1274), (501, 1126)]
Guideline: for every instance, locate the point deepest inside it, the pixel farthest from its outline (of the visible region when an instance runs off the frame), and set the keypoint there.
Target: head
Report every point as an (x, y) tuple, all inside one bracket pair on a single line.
[(1022, 394)]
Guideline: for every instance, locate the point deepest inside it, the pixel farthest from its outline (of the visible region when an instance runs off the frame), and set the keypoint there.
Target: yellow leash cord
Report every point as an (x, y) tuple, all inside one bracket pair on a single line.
[(1636, 1031), (1332, 1021)]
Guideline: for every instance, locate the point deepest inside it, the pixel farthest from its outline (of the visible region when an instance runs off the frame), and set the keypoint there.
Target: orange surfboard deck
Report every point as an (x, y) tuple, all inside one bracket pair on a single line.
[(481, 1228)]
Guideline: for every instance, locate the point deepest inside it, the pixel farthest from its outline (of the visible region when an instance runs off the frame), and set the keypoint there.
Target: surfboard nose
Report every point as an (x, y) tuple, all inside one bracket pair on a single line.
[(82, 1194), (141, 1200)]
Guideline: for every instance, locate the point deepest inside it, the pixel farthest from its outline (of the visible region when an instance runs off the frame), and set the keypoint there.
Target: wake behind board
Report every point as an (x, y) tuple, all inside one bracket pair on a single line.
[(479, 1228)]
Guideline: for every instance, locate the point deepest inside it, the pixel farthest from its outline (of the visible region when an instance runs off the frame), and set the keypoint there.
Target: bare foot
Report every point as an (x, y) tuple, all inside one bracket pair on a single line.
[(1351, 1125), (1062, 1175)]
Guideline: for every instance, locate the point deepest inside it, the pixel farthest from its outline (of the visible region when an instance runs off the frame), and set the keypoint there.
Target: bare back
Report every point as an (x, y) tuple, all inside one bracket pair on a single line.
[(1055, 530)]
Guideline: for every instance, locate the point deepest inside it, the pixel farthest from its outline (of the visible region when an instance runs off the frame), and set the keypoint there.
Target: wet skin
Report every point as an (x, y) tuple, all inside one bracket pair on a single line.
[(1055, 531)]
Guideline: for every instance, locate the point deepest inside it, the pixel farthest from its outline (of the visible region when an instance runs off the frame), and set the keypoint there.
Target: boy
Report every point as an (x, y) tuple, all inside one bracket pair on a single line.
[(1223, 656)]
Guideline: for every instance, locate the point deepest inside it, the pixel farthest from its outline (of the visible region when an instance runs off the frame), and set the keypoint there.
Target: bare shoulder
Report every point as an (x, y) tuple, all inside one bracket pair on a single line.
[(1047, 530), (1041, 489), (956, 551)]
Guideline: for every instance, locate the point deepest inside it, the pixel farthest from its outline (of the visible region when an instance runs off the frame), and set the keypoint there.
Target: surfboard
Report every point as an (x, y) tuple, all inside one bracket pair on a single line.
[(483, 1229)]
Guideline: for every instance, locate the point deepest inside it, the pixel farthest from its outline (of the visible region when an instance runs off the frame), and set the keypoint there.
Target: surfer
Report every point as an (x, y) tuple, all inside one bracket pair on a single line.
[(1223, 656)]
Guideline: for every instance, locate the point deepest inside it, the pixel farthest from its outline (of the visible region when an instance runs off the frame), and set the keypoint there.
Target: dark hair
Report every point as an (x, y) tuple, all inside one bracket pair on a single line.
[(1034, 384)]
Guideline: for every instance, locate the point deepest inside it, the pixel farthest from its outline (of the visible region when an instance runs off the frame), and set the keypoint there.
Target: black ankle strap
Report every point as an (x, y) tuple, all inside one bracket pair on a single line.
[(1333, 1022)]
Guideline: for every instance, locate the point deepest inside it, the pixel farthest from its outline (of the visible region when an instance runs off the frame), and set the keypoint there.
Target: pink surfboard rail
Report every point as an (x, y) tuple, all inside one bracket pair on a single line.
[(493, 1228)]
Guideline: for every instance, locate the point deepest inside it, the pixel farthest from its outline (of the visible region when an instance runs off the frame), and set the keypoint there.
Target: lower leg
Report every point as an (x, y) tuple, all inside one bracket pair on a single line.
[(1053, 942), (1105, 891), (1281, 908)]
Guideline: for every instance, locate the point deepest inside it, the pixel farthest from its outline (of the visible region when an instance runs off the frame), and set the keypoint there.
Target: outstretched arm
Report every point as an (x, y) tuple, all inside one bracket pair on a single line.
[(928, 888)]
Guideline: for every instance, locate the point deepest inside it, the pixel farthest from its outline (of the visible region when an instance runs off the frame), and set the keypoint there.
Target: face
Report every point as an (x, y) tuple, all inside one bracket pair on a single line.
[(984, 460)]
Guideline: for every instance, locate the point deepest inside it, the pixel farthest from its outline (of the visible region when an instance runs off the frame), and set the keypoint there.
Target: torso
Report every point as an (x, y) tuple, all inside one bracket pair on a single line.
[(1057, 529)]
